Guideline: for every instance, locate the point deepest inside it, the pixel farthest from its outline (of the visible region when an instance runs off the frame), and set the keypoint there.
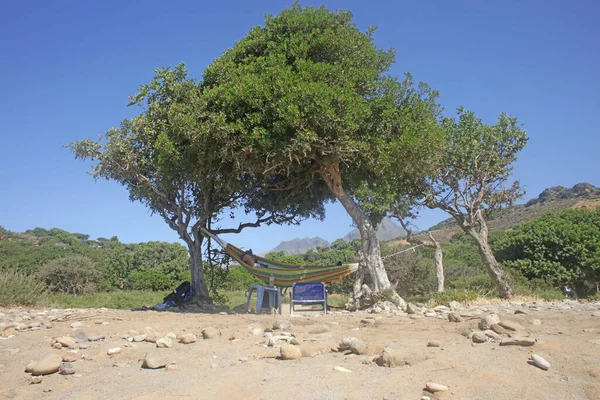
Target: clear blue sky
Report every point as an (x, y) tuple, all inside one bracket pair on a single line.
[(67, 68)]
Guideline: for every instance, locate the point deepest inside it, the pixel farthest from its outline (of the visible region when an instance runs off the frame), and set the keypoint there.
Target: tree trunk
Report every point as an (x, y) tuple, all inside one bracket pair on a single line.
[(493, 267), (439, 264), (369, 243), (201, 295)]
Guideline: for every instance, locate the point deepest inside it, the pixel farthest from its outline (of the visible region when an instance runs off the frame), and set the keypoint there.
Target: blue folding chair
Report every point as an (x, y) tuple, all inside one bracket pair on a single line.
[(308, 294)]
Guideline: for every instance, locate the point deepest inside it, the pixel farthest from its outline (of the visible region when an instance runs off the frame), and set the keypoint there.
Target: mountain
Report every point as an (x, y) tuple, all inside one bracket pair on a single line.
[(386, 230), (300, 245), (552, 199)]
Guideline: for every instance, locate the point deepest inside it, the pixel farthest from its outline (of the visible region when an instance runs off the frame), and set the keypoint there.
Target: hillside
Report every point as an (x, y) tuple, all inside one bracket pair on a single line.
[(386, 230), (550, 200), (300, 245)]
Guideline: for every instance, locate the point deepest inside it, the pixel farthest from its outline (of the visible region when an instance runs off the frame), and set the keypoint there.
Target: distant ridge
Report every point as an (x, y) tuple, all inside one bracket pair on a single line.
[(386, 230), (300, 245)]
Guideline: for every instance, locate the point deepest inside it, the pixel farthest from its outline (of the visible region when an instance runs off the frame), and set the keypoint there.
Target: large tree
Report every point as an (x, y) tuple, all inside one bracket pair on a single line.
[(473, 176), (308, 97), (170, 159)]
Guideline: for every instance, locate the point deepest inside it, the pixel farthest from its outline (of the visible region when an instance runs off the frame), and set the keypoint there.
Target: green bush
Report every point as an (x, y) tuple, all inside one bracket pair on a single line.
[(463, 296), (19, 289), (74, 275), (150, 280), (239, 278)]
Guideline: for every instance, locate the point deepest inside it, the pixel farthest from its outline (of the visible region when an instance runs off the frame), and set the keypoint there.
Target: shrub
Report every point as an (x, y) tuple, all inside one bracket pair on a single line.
[(17, 288), (74, 274), (150, 280)]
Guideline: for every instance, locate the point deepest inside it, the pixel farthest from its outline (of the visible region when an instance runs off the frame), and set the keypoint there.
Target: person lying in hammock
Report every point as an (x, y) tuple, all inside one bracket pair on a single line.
[(250, 259)]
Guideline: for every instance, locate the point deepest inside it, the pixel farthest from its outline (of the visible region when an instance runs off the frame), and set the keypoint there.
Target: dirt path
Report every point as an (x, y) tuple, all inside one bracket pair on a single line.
[(246, 368)]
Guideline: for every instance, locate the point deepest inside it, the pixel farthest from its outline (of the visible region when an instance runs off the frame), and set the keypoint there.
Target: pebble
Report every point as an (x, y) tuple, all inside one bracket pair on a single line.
[(430, 314), (35, 380), (153, 361), (77, 324), (478, 337), (113, 351), (188, 338), (96, 338), (454, 317), (139, 338), (353, 344), (341, 369), (70, 357), (511, 326), (435, 387), (98, 322), (517, 341), (164, 342), (66, 368), (257, 331), (57, 346), (82, 346), (282, 324), (487, 321), (290, 352), (210, 333), (434, 343), (47, 365), (172, 367), (540, 362), (65, 341)]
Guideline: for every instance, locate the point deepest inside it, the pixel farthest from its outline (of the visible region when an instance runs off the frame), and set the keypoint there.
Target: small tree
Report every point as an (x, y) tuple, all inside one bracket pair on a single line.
[(308, 100), (471, 180)]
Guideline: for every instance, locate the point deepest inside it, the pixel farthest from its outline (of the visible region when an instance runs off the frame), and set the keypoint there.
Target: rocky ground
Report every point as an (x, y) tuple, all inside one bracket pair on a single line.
[(503, 351)]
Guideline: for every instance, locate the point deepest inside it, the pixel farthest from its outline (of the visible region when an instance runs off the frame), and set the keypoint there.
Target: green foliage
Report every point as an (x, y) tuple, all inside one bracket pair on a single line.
[(19, 289), (463, 296), (116, 299), (72, 274), (239, 278), (152, 279), (560, 248)]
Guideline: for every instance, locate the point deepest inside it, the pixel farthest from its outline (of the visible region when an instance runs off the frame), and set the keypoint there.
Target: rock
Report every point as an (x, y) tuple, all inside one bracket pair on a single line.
[(70, 357), (139, 338), (66, 368), (487, 321), (9, 332), (77, 324), (152, 336), (491, 334), (455, 317), (172, 367), (412, 309), (171, 335), (29, 367), (517, 341), (596, 314), (390, 359), (211, 333), (478, 337), (98, 322), (47, 365), (498, 329), (153, 361), (430, 314), (540, 362), (35, 324), (57, 346), (536, 322), (82, 346), (341, 369), (435, 387), (113, 351), (48, 326), (188, 338), (416, 316), (353, 344), (290, 352), (315, 330), (164, 343), (511, 326), (96, 338), (65, 341), (257, 331), (21, 327), (434, 343), (455, 305), (282, 324), (35, 380)]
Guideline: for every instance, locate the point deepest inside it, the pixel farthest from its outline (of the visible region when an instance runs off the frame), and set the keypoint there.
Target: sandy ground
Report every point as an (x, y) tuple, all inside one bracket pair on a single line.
[(246, 368)]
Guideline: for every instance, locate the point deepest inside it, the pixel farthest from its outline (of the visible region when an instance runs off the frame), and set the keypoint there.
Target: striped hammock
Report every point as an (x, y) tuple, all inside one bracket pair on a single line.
[(284, 275)]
